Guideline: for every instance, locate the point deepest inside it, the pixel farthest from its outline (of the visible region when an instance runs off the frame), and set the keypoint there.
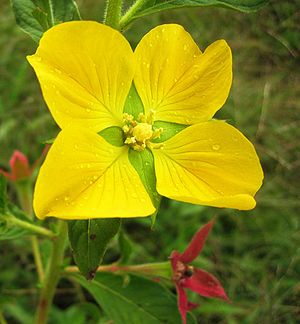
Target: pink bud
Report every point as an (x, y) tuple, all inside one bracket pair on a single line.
[(19, 165)]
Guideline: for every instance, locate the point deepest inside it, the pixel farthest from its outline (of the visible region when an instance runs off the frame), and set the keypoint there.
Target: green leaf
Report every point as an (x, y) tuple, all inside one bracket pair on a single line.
[(89, 240), (153, 6), (141, 301), (143, 162), (36, 16)]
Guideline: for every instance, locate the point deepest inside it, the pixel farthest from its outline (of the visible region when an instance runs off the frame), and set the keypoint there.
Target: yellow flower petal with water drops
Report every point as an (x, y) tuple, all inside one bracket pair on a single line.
[(177, 81), (85, 177), (210, 163), (85, 70)]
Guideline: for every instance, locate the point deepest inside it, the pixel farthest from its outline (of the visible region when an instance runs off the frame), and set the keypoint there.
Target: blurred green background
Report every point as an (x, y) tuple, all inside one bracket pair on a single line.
[(255, 254)]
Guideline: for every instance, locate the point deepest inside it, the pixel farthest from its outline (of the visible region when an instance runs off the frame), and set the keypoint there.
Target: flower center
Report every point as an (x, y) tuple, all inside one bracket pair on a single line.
[(139, 133)]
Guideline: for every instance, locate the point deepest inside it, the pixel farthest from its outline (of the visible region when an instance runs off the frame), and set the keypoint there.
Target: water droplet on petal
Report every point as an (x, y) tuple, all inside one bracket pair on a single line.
[(38, 58), (66, 198), (216, 147), (88, 110)]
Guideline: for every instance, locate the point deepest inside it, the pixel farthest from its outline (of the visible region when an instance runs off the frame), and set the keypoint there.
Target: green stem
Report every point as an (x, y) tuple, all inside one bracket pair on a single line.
[(157, 269), (29, 226), (113, 13), (24, 192), (53, 274), (37, 258), (128, 16)]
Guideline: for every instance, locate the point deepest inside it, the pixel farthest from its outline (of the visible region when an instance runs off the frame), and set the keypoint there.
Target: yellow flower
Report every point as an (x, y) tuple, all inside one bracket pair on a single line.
[(86, 71)]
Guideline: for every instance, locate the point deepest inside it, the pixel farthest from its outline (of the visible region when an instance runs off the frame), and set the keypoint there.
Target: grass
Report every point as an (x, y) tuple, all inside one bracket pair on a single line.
[(256, 254)]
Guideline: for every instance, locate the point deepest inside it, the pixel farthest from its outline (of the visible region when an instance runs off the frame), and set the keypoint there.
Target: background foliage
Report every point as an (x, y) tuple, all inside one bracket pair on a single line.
[(256, 254)]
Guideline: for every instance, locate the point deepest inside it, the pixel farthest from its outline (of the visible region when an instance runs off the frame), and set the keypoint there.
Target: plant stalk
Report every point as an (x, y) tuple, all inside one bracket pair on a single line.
[(24, 192), (158, 269), (113, 13), (53, 274), (29, 226), (128, 16)]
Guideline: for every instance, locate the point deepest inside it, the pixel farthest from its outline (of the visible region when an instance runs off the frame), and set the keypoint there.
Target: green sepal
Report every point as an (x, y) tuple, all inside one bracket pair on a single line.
[(37, 16), (169, 130), (133, 105), (89, 240), (113, 135), (143, 162)]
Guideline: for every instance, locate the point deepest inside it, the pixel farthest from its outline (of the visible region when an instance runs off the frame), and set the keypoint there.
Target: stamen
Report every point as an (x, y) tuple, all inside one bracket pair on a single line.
[(139, 133)]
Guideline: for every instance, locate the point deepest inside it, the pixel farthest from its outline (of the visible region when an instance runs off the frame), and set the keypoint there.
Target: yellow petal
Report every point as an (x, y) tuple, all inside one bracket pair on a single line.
[(210, 163), (86, 177), (175, 79), (85, 70)]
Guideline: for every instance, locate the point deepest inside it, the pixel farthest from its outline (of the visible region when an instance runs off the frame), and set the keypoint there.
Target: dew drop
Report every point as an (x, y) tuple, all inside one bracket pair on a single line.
[(88, 110), (134, 195), (39, 59), (58, 71), (66, 198), (148, 65), (185, 47), (216, 147), (76, 147)]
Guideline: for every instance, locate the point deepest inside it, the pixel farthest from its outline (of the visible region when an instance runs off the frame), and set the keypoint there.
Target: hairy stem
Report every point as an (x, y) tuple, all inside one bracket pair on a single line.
[(29, 226), (53, 274), (113, 13), (161, 269), (24, 192), (128, 16)]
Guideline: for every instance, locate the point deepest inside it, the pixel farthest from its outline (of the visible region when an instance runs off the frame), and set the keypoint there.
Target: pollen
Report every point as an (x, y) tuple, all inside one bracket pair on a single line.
[(139, 133)]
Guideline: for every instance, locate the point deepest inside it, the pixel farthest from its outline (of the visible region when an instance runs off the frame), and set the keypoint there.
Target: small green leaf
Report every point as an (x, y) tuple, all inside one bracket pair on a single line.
[(125, 248), (153, 6), (143, 162), (89, 240), (113, 135), (36, 16), (141, 301)]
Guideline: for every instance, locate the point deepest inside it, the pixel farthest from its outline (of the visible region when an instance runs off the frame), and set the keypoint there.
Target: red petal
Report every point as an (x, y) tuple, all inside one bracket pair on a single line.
[(196, 244), (183, 304), (205, 284), (191, 306), (175, 257)]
